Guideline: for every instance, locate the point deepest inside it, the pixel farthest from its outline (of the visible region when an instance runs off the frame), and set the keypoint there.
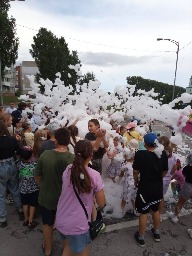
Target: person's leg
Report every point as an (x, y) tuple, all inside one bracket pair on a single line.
[(13, 186), (142, 224), (161, 206), (179, 205), (156, 220), (67, 251), (3, 184), (31, 214), (48, 235), (25, 212)]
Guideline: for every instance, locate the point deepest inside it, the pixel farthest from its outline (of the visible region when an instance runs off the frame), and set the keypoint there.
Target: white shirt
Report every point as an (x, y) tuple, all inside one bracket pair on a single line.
[(10, 110)]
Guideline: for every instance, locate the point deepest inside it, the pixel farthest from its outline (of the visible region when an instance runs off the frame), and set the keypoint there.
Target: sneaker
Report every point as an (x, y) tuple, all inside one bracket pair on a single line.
[(136, 213), (156, 237), (102, 229), (140, 242), (174, 219), (3, 224), (9, 200)]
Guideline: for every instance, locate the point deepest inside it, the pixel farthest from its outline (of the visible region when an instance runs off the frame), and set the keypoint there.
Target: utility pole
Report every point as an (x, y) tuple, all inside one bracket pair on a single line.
[(1, 87)]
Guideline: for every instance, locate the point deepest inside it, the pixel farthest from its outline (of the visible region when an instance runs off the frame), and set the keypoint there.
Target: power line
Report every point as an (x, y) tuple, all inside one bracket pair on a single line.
[(111, 46), (185, 45)]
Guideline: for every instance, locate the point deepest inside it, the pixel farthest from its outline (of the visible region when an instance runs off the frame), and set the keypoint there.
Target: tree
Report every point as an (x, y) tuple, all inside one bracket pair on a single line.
[(165, 90), (9, 42), (87, 78), (52, 55)]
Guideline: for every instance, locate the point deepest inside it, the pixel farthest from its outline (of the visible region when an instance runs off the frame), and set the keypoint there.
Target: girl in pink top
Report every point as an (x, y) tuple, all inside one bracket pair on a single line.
[(71, 221), (177, 179)]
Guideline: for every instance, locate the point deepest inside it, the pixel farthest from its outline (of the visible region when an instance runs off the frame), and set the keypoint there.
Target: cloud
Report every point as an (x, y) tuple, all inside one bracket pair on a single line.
[(111, 59)]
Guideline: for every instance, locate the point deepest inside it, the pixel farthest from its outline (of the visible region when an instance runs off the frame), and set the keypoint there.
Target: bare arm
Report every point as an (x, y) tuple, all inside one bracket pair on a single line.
[(100, 198), (173, 169), (164, 173), (38, 179)]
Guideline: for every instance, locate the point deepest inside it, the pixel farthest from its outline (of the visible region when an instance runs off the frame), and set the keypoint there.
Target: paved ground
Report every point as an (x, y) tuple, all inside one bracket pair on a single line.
[(16, 240)]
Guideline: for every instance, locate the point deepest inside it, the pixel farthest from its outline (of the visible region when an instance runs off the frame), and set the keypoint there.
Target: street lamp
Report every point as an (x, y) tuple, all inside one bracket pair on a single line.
[(177, 52)]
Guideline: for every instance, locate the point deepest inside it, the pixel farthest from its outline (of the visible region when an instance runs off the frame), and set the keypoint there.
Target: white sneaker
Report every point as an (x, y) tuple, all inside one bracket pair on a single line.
[(174, 219)]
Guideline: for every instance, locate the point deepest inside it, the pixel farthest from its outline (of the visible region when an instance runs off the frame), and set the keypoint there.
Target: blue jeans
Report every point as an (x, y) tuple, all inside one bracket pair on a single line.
[(8, 179)]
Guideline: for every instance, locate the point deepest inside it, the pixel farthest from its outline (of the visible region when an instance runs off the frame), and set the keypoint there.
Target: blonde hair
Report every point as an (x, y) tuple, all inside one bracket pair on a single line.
[(39, 137)]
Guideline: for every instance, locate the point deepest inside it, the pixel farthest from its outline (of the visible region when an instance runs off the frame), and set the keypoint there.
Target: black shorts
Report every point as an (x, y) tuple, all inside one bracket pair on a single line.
[(143, 204), (30, 199), (48, 216)]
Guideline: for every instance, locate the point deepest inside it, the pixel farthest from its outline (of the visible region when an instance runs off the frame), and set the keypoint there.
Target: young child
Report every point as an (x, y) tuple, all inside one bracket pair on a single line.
[(116, 155), (177, 179), (129, 190), (186, 191), (28, 188)]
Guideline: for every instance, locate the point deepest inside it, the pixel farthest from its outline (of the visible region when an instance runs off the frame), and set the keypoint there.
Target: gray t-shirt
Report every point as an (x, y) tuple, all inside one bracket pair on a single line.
[(47, 145)]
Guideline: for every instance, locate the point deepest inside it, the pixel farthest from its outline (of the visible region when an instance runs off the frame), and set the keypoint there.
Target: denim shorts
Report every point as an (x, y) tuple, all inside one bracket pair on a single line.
[(77, 243)]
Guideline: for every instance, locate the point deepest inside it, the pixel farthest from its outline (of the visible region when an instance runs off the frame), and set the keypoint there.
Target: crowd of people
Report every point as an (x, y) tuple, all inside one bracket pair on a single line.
[(44, 167)]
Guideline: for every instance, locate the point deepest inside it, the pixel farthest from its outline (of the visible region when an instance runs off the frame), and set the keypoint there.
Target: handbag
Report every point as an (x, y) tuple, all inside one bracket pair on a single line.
[(94, 226)]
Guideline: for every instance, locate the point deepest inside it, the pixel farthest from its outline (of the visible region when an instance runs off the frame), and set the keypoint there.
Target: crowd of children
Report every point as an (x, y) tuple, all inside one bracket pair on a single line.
[(37, 160)]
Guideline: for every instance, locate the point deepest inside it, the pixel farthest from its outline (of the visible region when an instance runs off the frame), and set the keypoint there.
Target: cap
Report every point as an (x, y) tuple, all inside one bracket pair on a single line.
[(150, 138), (53, 126), (131, 125)]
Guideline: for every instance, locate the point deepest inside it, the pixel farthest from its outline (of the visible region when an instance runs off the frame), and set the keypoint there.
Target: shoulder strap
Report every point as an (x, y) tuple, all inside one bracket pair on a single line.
[(78, 197)]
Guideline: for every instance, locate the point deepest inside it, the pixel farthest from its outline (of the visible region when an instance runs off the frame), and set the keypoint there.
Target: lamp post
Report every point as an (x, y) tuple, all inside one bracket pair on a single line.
[(177, 53)]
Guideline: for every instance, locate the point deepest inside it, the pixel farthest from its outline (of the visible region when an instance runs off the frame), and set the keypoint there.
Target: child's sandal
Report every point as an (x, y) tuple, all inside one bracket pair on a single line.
[(25, 223), (31, 225)]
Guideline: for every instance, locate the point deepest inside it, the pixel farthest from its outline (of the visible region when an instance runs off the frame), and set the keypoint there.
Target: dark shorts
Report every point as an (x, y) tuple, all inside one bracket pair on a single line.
[(48, 216), (30, 199), (144, 204)]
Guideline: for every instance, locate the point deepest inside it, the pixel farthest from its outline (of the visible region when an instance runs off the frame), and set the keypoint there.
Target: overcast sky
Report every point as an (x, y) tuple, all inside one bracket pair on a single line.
[(114, 38)]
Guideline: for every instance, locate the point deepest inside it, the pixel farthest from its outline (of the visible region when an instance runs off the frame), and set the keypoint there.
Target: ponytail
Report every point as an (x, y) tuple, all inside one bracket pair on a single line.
[(79, 175)]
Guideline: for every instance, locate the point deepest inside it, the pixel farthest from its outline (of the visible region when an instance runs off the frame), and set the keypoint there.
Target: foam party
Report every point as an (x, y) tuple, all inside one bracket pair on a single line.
[(111, 109)]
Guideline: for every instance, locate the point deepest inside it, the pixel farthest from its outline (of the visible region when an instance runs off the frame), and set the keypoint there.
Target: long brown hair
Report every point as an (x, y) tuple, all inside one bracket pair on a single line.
[(3, 129), (74, 132), (83, 150), (39, 136)]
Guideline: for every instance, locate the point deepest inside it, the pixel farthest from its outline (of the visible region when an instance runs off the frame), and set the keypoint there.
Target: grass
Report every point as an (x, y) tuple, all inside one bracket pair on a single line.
[(7, 99)]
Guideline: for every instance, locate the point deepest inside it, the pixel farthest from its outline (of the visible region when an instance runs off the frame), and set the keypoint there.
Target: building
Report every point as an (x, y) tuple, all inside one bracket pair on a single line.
[(9, 80), (26, 68), (189, 88)]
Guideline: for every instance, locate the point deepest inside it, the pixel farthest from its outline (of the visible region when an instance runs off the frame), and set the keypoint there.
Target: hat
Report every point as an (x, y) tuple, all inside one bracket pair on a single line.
[(131, 125), (53, 126), (178, 162), (150, 138)]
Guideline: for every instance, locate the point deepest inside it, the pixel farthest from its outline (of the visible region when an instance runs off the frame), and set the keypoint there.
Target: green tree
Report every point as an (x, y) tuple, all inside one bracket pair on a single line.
[(9, 42), (52, 55), (89, 76), (165, 90)]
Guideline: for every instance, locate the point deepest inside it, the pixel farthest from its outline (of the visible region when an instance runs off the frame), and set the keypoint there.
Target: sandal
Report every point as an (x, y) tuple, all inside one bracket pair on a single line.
[(31, 225), (25, 223)]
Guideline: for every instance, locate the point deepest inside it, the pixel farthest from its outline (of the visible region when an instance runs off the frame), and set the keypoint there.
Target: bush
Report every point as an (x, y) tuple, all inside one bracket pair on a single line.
[(18, 93)]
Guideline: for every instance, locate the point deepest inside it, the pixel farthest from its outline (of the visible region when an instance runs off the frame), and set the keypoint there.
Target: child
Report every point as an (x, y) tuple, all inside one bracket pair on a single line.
[(129, 190), (114, 153), (171, 167), (177, 180), (28, 188), (97, 137), (186, 191)]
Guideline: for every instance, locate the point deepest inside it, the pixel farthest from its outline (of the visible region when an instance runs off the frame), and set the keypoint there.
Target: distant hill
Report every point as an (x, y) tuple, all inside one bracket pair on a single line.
[(165, 90)]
